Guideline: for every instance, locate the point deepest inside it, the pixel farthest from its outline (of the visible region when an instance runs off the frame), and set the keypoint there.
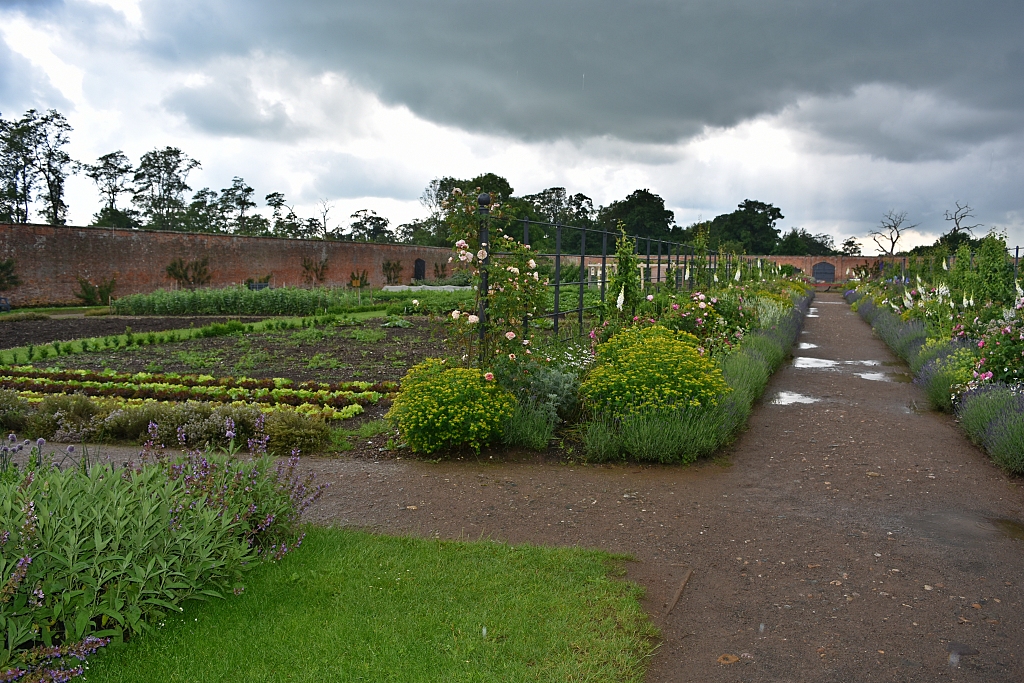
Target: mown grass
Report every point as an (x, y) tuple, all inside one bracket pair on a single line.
[(350, 606)]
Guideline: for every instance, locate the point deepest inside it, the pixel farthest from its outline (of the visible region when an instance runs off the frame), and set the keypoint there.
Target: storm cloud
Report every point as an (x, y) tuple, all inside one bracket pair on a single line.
[(643, 71)]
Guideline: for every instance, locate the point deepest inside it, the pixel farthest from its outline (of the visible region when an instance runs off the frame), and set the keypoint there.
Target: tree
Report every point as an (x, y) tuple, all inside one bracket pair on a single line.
[(205, 213), (8, 276), (367, 226), (959, 233), (235, 203), (642, 213), (799, 242), (18, 175), (752, 225), (890, 230), (52, 163), (285, 222), (160, 187), (851, 247), (112, 174)]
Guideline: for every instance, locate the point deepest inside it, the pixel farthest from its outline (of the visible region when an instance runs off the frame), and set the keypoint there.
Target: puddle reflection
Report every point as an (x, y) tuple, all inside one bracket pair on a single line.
[(788, 398), (807, 345), (807, 362)]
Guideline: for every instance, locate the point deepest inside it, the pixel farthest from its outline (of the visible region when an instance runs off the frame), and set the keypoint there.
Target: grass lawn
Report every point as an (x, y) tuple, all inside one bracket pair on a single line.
[(351, 606)]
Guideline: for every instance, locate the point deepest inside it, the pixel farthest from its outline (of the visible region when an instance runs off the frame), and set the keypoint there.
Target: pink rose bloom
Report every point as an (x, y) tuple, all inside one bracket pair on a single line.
[(981, 344), (702, 305), (650, 297), (455, 314), (472, 319), (714, 300), (489, 376), (510, 335)]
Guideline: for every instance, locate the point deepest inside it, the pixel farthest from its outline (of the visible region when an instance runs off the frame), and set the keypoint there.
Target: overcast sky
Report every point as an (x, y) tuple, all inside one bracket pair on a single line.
[(833, 111)]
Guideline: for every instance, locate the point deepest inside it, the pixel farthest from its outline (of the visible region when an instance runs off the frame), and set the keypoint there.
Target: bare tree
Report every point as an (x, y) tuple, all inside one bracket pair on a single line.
[(889, 231), (960, 232)]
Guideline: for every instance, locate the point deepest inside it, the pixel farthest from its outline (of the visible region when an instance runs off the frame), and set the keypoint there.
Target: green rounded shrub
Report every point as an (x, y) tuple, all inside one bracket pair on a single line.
[(440, 407), (654, 368)]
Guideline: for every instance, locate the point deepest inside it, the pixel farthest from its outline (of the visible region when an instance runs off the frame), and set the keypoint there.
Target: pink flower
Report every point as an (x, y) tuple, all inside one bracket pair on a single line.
[(675, 307), (511, 356), (455, 314), (510, 335), (472, 319), (650, 297), (702, 305), (489, 376), (981, 344)]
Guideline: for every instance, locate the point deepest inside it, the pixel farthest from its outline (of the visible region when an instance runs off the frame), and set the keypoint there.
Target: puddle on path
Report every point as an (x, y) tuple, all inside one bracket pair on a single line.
[(812, 312), (1009, 527), (807, 345), (807, 362), (821, 363), (788, 398), (965, 529), (875, 376)]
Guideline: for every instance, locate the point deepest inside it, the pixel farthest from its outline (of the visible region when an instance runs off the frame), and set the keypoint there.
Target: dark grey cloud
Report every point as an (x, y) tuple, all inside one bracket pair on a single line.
[(641, 71)]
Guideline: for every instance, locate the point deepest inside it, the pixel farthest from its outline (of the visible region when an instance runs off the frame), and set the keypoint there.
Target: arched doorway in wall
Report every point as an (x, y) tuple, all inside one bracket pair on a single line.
[(419, 270), (824, 272)]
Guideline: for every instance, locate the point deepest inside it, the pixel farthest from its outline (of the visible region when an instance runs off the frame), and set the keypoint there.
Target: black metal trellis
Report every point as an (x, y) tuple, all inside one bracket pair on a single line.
[(595, 252)]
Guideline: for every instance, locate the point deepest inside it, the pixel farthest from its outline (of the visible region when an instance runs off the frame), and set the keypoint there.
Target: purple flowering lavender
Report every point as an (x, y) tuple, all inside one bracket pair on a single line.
[(229, 428)]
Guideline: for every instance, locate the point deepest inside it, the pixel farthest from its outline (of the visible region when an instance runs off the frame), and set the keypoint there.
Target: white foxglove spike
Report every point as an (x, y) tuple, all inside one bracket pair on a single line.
[(945, 266), (737, 278), (622, 298)]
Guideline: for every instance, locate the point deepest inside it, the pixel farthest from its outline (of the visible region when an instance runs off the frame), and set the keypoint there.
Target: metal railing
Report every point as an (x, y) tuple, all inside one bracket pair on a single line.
[(592, 250)]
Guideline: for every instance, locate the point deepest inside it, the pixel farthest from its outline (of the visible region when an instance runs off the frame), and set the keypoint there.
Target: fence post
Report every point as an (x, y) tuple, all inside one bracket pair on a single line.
[(483, 210), (558, 270), (658, 280), (526, 241), (1016, 262), (647, 270), (604, 269), (583, 266)]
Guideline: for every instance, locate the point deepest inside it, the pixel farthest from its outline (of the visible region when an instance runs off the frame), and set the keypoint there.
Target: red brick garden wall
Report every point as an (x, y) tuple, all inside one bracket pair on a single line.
[(49, 259)]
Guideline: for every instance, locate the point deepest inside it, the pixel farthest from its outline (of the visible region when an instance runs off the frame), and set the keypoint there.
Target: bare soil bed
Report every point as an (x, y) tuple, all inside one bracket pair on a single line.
[(334, 354), (848, 535), (15, 333)]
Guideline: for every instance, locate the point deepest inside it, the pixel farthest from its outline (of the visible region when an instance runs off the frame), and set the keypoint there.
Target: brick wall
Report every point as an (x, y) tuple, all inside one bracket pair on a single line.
[(50, 259)]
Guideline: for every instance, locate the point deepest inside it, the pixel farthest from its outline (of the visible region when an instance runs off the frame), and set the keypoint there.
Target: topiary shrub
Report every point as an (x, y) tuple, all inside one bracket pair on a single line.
[(440, 407), (653, 367)]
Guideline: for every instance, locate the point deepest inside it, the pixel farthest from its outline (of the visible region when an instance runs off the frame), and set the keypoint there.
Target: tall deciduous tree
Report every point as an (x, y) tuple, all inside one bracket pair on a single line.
[(367, 226), (113, 174), (18, 177), (52, 163), (236, 204), (642, 213), (160, 187), (751, 225)]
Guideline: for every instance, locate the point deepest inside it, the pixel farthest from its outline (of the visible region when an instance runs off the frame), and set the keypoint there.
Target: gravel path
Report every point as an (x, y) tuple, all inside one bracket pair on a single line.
[(849, 534), (855, 538)]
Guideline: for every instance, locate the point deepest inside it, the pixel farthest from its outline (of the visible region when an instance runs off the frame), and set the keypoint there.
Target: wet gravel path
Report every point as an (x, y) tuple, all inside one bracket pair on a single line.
[(857, 537), (852, 536)]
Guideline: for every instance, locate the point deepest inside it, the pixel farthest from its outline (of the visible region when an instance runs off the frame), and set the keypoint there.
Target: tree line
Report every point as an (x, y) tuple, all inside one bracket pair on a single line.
[(154, 194)]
